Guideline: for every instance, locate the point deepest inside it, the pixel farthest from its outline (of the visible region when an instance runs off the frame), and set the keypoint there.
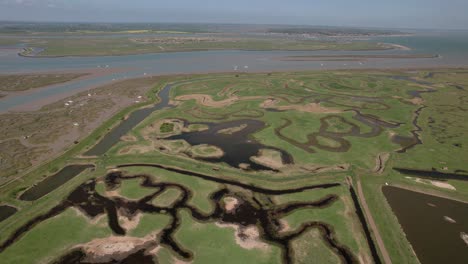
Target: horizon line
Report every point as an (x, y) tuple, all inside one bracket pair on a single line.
[(228, 23)]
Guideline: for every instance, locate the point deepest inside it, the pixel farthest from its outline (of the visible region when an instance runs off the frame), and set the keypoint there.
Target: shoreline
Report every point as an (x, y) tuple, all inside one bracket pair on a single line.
[(398, 46), (354, 57), (431, 192), (26, 107), (38, 104), (38, 56)]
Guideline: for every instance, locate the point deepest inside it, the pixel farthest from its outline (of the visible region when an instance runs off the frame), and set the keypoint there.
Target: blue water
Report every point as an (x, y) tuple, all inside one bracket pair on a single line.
[(452, 47), (443, 43)]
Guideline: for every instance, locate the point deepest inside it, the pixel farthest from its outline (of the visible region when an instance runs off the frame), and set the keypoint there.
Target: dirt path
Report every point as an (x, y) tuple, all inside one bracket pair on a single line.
[(372, 225)]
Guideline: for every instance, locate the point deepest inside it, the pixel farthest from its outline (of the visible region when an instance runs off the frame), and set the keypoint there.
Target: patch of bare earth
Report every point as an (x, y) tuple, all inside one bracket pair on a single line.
[(128, 138), (232, 130), (135, 149), (415, 100), (95, 220), (244, 166), (316, 168), (247, 237), (434, 183), (443, 185), (113, 193), (178, 261), (308, 108), (207, 100), (380, 162), (129, 222), (269, 158), (230, 204), (116, 248), (284, 226), (206, 151), (268, 103), (397, 46)]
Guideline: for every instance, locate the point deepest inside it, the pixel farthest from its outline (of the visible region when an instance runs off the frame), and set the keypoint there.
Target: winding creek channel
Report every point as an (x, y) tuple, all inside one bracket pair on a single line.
[(263, 215)]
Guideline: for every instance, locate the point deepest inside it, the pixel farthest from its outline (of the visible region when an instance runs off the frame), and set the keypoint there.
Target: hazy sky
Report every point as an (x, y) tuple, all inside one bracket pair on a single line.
[(374, 13)]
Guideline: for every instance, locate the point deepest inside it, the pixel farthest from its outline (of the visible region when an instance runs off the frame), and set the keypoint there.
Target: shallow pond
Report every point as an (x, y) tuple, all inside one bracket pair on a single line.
[(433, 225), (238, 147)]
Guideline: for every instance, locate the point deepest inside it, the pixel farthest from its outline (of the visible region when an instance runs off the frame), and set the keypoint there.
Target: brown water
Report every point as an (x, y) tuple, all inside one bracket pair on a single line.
[(6, 211), (238, 147), (53, 182), (434, 237)]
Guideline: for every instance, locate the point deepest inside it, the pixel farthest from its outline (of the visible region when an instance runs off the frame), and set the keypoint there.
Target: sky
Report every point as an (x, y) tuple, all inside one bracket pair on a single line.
[(440, 14)]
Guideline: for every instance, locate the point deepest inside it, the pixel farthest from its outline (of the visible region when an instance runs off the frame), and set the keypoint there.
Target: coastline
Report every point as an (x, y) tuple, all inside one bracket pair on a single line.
[(398, 46), (37, 55), (37, 104)]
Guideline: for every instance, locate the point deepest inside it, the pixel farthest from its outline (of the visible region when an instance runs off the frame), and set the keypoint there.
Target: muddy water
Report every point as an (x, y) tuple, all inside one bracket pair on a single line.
[(238, 147), (6, 211), (53, 182), (79, 257), (434, 237)]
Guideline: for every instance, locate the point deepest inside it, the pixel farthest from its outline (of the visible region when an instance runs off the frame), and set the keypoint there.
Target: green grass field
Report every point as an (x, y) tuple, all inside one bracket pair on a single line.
[(102, 46), (179, 202)]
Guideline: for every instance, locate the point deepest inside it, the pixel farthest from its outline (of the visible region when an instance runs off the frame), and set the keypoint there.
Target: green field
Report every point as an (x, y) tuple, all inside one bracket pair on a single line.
[(318, 137), (102, 46)]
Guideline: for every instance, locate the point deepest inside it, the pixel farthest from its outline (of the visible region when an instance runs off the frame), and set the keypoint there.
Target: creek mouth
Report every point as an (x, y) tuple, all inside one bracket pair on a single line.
[(258, 210), (6, 211), (53, 182), (238, 147), (423, 219)]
